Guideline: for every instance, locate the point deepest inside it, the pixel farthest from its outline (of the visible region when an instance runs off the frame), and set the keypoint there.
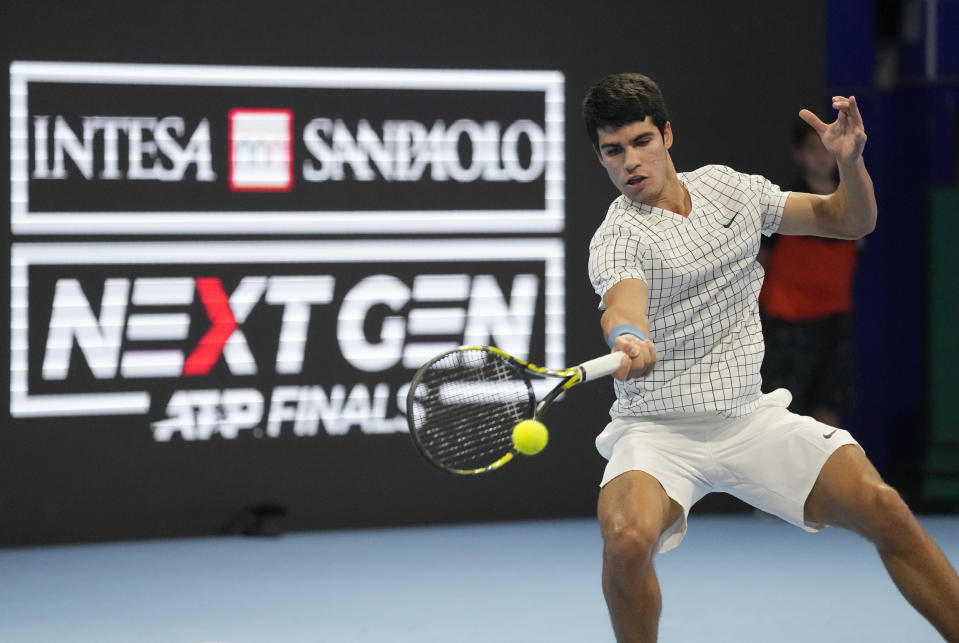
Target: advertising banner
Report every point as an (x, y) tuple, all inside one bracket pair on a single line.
[(211, 266), (187, 149), (266, 338)]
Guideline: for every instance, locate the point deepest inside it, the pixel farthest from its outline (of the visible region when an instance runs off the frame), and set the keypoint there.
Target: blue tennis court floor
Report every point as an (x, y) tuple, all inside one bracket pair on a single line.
[(736, 578)]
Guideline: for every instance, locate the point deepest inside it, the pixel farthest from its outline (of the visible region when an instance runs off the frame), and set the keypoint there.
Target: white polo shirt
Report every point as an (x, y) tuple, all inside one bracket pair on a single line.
[(703, 281)]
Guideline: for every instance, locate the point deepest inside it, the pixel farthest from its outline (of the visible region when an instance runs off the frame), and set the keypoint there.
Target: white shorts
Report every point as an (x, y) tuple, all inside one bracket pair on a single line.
[(769, 458)]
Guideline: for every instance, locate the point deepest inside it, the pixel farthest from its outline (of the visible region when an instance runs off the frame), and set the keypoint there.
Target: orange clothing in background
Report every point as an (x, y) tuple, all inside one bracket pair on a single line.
[(808, 278)]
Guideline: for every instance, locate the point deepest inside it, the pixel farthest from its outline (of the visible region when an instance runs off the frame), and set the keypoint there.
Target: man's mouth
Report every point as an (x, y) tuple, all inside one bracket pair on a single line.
[(635, 181)]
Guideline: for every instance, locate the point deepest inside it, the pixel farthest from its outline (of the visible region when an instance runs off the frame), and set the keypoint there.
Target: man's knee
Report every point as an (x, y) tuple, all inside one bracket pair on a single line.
[(891, 508), (633, 512), (884, 517), (629, 546)]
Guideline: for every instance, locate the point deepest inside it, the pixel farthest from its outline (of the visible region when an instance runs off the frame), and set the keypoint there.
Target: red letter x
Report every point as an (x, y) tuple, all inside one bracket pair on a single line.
[(217, 305)]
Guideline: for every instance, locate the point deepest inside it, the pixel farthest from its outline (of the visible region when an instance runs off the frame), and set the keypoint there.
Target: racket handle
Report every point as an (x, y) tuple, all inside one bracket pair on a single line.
[(601, 366)]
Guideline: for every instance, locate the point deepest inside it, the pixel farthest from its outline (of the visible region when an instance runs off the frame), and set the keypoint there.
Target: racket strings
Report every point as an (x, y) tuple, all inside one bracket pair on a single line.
[(465, 406)]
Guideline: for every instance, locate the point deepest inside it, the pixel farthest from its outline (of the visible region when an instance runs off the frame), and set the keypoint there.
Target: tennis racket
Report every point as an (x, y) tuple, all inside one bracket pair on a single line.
[(462, 405)]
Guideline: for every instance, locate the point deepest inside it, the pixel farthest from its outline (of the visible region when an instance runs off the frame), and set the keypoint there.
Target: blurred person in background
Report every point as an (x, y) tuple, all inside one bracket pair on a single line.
[(806, 301)]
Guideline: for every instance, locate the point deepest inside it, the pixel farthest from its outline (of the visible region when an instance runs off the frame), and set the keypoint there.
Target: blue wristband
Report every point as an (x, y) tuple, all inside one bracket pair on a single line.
[(624, 329)]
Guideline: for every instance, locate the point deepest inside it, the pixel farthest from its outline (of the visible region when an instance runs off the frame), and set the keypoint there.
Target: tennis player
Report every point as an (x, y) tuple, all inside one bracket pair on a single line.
[(674, 263)]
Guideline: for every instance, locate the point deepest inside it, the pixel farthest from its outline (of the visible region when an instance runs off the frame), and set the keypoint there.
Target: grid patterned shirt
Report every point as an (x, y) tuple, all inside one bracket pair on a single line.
[(703, 281)]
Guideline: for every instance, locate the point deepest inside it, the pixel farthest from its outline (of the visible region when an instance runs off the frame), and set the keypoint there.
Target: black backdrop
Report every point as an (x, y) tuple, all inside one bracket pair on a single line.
[(734, 74)]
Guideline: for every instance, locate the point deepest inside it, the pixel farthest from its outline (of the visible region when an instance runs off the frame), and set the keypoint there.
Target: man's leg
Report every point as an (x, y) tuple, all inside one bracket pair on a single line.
[(634, 510), (850, 493)]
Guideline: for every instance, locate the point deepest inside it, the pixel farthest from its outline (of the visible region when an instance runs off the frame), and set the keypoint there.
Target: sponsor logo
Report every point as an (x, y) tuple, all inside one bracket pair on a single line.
[(411, 151), (261, 149), (487, 144), (156, 149), (266, 338)]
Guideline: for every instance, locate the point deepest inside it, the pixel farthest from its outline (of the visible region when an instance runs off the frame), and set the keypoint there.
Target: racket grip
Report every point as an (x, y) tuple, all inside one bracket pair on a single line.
[(601, 366)]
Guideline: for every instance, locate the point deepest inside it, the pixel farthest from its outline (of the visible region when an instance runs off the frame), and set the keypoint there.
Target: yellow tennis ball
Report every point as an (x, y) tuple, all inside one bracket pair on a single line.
[(530, 437)]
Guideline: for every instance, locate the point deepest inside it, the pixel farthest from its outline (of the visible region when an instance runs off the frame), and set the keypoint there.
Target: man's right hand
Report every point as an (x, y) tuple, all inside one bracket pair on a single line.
[(640, 357)]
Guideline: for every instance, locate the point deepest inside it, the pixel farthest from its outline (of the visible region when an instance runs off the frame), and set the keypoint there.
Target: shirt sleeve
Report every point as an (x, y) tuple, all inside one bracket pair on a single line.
[(615, 254), (734, 191), (772, 200)]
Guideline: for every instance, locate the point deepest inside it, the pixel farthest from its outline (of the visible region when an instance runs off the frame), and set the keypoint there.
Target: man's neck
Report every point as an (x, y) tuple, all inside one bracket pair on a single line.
[(674, 197)]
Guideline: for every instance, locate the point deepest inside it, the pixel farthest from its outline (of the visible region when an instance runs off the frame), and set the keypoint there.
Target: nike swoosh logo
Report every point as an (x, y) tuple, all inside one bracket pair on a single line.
[(830, 434), (726, 225)]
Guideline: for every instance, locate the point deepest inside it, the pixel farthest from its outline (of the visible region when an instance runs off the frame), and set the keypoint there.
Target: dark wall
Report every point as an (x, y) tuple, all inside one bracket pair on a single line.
[(734, 75)]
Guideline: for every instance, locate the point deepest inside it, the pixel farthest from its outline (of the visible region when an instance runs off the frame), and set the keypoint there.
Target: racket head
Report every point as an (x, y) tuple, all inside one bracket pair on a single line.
[(462, 406)]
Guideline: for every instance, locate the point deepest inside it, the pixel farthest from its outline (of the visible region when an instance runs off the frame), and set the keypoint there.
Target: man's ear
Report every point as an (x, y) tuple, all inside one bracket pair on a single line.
[(599, 156), (668, 135)]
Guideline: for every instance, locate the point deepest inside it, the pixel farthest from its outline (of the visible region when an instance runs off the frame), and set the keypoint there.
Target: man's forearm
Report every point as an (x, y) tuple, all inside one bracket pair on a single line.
[(619, 315), (854, 202)]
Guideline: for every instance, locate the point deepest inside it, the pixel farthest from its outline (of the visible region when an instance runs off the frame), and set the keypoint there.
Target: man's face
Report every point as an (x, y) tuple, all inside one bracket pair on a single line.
[(636, 158), (814, 159)]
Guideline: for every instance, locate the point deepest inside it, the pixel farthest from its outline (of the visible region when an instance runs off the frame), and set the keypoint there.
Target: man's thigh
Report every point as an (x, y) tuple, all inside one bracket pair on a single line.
[(846, 482), (635, 499)]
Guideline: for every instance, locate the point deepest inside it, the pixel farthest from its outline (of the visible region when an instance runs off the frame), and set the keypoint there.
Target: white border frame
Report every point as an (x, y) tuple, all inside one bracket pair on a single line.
[(24, 255), (548, 219)]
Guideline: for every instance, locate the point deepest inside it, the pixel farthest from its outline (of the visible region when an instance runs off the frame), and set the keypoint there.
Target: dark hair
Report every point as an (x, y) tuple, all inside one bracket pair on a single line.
[(800, 131), (620, 99)]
